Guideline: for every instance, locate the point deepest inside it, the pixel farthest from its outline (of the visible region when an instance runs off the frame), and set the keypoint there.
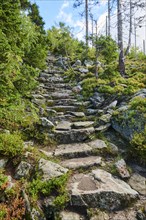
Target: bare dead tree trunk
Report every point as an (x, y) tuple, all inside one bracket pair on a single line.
[(96, 55), (86, 17), (109, 17), (120, 38), (130, 29)]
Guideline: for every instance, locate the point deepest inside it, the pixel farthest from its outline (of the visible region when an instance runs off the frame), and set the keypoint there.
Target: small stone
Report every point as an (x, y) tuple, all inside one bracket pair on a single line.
[(23, 170), (3, 163), (82, 124), (66, 215), (78, 114), (50, 170), (138, 183), (83, 70), (122, 169), (46, 123), (103, 128), (97, 144)]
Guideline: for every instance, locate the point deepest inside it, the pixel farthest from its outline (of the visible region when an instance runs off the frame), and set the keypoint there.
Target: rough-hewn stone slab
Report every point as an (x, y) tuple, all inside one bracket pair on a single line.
[(63, 125), (100, 189), (50, 170), (84, 162), (82, 124), (73, 136), (97, 144), (73, 150)]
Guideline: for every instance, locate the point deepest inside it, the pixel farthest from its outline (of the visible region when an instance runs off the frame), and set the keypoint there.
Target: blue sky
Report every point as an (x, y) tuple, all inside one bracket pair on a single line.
[(54, 11)]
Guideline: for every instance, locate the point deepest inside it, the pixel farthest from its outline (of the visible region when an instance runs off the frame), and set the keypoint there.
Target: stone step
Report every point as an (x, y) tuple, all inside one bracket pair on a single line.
[(99, 189), (58, 95), (63, 125), (84, 162), (73, 135), (64, 108), (61, 101), (47, 85), (80, 149), (82, 124)]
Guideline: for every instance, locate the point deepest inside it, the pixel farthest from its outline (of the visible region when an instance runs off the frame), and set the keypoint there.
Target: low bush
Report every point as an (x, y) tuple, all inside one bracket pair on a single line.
[(10, 144)]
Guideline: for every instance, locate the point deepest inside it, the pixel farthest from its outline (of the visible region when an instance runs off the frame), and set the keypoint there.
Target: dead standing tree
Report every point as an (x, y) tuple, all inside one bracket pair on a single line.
[(120, 38)]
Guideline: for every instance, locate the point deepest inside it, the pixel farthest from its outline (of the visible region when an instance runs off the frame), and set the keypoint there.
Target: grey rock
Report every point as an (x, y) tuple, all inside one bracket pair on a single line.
[(105, 118), (83, 70), (64, 108), (66, 215), (77, 63), (85, 162), (73, 135), (140, 93), (46, 122), (100, 189), (73, 150), (78, 114), (97, 97), (63, 125), (50, 170), (114, 148), (112, 105), (122, 168), (3, 163), (37, 96), (37, 214), (82, 124), (103, 128), (77, 89), (126, 125), (88, 63), (138, 183), (97, 144), (23, 170), (91, 111)]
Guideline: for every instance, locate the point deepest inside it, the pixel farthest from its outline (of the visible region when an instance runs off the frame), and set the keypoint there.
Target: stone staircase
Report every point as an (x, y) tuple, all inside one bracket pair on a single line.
[(78, 148)]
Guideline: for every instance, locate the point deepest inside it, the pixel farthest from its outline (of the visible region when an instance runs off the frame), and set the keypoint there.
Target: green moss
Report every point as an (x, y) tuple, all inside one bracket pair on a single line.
[(10, 144)]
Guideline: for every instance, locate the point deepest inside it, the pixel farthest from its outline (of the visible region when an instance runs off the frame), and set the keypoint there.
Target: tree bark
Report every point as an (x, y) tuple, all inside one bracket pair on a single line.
[(120, 38), (109, 17), (86, 15), (130, 29)]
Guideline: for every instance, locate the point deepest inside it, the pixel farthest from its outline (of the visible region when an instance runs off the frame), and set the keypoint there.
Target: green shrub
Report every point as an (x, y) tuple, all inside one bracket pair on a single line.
[(139, 145), (10, 144), (55, 186)]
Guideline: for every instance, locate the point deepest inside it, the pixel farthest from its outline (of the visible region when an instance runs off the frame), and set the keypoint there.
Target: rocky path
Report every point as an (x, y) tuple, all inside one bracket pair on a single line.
[(91, 185)]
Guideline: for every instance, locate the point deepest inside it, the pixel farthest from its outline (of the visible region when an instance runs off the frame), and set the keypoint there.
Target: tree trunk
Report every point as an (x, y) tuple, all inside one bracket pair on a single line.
[(120, 38), (130, 29), (109, 17), (86, 15)]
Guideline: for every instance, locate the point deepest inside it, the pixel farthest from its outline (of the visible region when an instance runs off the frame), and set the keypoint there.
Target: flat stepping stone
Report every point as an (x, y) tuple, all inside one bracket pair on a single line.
[(79, 149), (65, 101), (82, 124), (78, 114), (63, 125), (73, 150), (57, 95), (73, 136), (68, 215), (64, 108), (97, 144), (84, 162), (138, 183), (99, 189), (50, 169)]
